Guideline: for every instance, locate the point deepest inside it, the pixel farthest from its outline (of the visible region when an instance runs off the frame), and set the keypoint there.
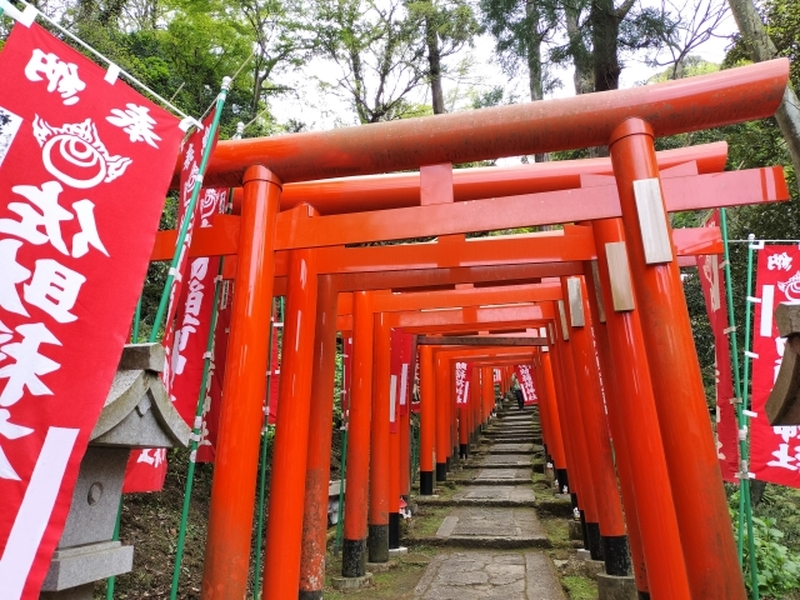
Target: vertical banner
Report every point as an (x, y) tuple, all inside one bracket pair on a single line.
[(712, 280), (347, 375), (206, 449), (526, 384), (463, 380), (497, 376), (85, 163), (275, 379), (774, 451), (399, 374), (147, 468)]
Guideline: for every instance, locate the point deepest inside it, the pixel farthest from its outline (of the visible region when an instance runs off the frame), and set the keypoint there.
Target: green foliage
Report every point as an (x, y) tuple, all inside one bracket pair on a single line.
[(778, 567)]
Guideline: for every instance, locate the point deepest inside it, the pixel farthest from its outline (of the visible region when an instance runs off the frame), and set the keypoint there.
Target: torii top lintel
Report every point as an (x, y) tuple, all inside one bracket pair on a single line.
[(694, 103)]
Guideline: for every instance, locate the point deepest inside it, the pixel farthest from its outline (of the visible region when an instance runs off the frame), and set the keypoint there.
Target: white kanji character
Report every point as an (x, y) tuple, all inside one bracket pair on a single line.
[(29, 365), (5, 335), (49, 216), (787, 432), (88, 235), (13, 273), (11, 431), (784, 459), (136, 122), (188, 158), (54, 288), (61, 76), (159, 456), (780, 261)]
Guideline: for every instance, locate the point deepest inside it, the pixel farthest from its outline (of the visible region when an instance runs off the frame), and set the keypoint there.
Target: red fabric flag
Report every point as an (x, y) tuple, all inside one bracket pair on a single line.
[(347, 375), (774, 451), (712, 280), (85, 163), (147, 468), (275, 379), (399, 369), (463, 379)]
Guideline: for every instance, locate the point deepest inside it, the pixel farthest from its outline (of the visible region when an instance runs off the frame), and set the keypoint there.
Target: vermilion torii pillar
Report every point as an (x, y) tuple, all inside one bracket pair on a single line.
[(702, 510)]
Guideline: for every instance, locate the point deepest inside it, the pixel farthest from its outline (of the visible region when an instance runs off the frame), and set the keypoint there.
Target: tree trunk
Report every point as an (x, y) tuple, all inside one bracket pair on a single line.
[(584, 71), (534, 59), (761, 48), (434, 64)]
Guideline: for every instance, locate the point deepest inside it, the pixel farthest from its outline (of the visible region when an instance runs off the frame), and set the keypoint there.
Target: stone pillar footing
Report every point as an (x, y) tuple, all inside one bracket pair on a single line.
[(398, 551), (351, 583), (575, 530), (612, 587)]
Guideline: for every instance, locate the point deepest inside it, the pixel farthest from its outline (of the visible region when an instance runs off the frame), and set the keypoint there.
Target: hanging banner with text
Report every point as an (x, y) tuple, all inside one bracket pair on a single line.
[(463, 379), (526, 384), (147, 468), (774, 451), (399, 376), (711, 272), (274, 380), (85, 163)]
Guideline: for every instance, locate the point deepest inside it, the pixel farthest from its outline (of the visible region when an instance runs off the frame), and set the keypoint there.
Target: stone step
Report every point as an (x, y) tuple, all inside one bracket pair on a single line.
[(485, 495), (490, 527)]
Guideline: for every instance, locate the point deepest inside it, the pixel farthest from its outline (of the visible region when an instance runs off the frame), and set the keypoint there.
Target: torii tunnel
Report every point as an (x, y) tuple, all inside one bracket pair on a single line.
[(604, 290)]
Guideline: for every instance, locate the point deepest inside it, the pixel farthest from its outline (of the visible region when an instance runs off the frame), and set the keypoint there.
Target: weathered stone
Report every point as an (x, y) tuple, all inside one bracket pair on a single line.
[(351, 583), (611, 587), (73, 567)]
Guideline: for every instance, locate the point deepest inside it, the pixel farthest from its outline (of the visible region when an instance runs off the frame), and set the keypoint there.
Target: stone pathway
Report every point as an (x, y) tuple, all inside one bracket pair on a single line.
[(493, 528)]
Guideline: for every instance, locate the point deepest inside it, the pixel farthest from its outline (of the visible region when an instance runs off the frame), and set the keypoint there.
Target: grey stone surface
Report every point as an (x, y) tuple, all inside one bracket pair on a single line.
[(496, 494), (611, 587), (479, 574), (74, 567), (351, 583), (95, 500), (506, 460), (504, 475), (490, 527), (511, 448)]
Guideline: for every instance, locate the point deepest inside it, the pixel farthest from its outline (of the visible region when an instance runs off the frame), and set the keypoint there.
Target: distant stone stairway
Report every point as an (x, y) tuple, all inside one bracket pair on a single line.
[(492, 536)]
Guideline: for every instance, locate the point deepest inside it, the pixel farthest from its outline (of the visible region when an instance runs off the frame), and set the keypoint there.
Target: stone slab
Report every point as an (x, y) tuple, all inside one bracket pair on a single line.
[(73, 567), (492, 575), (611, 587), (505, 495), (351, 583), (491, 527), (511, 448), (506, 461)]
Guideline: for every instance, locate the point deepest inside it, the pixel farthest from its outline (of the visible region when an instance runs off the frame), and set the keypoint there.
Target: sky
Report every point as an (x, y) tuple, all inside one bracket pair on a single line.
[(325, 111)]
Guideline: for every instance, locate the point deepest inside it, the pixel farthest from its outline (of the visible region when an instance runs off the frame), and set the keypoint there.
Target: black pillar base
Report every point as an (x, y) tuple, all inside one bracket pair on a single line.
[(644, 595), (310, 595), (563, 479), (463, 450), (378, 543), (441, 471), (394, 530), (354, 558), (616, 555), (595, 547), (584, 528), (448, 464), (426, 483)]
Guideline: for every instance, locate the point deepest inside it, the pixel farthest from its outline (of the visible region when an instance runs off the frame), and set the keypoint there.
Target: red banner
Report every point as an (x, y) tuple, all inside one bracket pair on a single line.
[(712, 280), (774, 451), (147, 468), (463, 379), (275, 378), (400, 370), (347, 375), (526, 384), (85, 162)]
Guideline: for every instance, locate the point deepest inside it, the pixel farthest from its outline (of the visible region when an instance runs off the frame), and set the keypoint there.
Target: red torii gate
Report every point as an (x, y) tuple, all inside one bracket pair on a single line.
[(728, 97)]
